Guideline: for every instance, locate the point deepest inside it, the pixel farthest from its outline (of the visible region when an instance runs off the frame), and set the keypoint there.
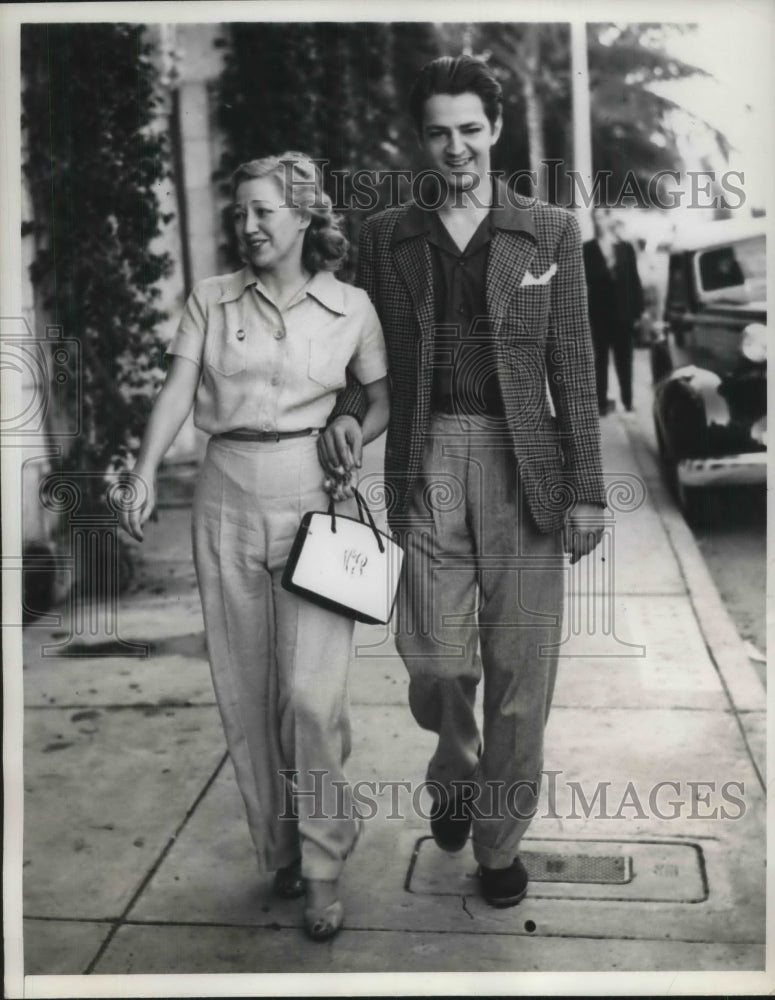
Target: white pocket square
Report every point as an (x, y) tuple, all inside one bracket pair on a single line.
[(544, 279)]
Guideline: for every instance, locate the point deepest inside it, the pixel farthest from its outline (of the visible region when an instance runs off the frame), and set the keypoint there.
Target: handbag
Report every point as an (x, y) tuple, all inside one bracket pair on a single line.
[(345, 564)]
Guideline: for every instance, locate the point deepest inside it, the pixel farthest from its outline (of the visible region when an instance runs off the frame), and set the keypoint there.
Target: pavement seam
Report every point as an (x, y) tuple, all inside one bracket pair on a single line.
[(488, 932), (730, 710), (680, 539), (112, 706), (121, 920)]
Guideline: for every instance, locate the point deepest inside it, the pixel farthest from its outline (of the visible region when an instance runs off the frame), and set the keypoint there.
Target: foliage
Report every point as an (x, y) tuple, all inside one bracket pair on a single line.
[(339, 92), (91, 162), (336, 91), (630, 121)]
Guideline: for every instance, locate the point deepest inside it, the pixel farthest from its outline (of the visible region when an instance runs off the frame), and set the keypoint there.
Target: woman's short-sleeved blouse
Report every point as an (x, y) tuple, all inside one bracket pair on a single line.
[(268, 369)]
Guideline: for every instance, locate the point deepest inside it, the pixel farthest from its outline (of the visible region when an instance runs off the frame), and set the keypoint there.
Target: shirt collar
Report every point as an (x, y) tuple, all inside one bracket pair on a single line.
[(328, 291), (323, 287), (437, 234), (505, 214), (236, 285)]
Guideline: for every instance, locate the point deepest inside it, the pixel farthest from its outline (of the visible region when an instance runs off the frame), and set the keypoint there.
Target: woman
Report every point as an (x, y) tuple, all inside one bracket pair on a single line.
[(261, 355)]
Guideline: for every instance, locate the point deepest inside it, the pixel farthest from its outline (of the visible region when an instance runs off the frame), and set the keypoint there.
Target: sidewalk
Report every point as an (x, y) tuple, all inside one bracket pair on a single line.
[(137, 854)]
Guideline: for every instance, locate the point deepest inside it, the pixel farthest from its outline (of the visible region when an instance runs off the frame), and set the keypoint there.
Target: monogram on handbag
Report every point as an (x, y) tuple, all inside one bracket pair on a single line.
[(345, 564)]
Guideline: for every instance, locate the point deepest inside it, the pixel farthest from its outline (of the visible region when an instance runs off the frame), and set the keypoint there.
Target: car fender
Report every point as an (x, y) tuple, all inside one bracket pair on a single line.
[(687, 405)]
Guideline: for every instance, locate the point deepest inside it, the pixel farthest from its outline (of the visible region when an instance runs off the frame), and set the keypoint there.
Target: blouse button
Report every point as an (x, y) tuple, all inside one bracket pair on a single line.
[(275, 379), (279, 334), (240, 334)]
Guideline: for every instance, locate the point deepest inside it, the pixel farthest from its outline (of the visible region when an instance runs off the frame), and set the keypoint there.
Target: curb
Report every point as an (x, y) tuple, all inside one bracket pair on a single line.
[(726, 648)]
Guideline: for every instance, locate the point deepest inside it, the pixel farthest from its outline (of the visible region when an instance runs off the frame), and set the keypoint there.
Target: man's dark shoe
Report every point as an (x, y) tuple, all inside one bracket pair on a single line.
[(504, 886), (450, 819)]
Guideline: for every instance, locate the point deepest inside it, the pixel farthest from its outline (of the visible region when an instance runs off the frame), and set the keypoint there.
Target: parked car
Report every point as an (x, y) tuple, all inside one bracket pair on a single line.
[(709, 361)]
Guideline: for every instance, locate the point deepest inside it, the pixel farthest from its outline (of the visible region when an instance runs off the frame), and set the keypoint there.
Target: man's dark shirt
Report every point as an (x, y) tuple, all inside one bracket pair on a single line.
[(465, 367)]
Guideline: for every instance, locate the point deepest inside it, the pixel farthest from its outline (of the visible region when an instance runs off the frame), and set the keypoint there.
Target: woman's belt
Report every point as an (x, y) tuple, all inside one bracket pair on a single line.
[(247, 435)]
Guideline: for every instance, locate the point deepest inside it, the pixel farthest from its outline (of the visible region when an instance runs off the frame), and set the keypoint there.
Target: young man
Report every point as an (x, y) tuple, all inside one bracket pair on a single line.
[(483, 306)]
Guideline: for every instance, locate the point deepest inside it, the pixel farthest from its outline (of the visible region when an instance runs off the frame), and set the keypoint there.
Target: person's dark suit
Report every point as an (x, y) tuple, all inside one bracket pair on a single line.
[(615, 299)]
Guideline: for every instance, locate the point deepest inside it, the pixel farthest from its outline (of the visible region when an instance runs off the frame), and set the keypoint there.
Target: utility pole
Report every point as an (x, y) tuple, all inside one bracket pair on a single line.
[(582, 133)]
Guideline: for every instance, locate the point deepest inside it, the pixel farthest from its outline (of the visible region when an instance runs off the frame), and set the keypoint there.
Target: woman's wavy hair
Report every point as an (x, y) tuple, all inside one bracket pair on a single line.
[(325, 245)]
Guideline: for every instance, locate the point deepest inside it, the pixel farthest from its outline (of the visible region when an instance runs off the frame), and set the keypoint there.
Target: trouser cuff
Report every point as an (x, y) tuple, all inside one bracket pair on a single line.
[(282, 860), (492, 857), (318, 863), (321, 867)]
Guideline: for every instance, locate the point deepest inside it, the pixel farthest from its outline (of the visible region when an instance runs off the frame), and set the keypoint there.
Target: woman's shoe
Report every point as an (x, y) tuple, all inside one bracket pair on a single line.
[(288, 882), (323, 924)]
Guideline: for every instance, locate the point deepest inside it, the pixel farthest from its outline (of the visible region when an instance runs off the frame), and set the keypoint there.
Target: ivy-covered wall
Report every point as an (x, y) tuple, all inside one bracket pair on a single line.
[(336, 91), (90, 97)]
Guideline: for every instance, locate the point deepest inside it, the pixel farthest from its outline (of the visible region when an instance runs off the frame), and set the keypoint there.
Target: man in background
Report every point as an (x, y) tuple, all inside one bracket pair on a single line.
[(616, 303)]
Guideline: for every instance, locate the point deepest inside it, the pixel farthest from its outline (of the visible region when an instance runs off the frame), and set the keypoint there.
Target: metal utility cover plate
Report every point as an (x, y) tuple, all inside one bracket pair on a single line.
[(612, 870)]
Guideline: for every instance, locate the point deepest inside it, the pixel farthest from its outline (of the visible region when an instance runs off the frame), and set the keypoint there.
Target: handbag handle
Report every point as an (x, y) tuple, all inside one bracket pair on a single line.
[(332, 513), (363, 506)]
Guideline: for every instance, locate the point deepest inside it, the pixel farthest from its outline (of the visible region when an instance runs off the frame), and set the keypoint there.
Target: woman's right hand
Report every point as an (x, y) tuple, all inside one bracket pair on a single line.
[(133, 519), (169, 411), (339, 487)]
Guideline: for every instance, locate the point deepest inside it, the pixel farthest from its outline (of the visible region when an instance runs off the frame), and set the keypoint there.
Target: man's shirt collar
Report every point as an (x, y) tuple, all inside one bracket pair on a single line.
[(504, 215)]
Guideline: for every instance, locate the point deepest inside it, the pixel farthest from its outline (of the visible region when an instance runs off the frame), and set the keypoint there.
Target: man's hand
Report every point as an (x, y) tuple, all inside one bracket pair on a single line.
[(340, 446), (583, 530)]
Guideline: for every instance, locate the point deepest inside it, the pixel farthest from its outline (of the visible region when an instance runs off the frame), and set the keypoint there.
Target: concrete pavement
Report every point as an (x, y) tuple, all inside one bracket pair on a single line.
[(647, 853)]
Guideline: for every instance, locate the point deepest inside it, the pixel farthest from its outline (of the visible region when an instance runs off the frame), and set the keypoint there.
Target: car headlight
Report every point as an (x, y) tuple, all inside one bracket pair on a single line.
[(759, 431), (754, 344)]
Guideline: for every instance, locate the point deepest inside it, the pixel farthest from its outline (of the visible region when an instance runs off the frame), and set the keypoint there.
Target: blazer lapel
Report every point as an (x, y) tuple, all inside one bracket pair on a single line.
[(413, 262), (507, 263)]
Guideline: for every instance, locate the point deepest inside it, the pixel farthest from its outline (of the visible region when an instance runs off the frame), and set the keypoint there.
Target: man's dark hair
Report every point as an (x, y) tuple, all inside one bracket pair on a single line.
[(460, 75)]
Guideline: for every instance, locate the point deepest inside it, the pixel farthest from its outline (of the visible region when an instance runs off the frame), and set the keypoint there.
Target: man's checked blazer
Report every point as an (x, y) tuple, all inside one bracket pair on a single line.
[(537, 304)]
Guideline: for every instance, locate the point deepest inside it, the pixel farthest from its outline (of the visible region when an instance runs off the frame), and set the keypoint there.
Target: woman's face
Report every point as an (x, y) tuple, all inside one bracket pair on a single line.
[(269, 232)]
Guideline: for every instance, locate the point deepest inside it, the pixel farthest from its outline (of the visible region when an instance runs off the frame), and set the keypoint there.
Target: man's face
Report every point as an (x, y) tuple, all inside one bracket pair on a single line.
[(601, 222), (457, 137), (607, 225)]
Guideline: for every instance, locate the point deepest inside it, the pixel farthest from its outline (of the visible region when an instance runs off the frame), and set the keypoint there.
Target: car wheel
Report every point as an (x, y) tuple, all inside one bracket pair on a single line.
[(661, 363), (690, 500)]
